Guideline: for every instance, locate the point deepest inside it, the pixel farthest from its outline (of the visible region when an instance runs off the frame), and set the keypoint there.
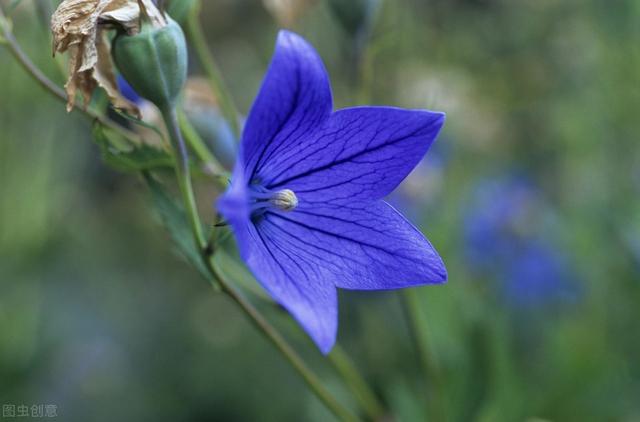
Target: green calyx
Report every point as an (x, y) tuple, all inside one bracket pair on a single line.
[(154, 61)]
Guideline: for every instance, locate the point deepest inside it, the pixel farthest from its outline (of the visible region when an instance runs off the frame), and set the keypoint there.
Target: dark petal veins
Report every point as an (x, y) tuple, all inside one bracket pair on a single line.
[(294, 280), (338, 165), (361, 152), (362, 245), (295, 97)]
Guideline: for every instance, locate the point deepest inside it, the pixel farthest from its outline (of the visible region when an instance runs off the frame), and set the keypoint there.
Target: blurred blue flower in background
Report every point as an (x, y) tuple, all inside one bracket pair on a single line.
[(423, 186), (202, 108), (505, 231), (537, 274)]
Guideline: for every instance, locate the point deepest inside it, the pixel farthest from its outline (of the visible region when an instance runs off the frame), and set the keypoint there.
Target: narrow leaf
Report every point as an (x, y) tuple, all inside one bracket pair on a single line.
[(173, 217), (119, 154)]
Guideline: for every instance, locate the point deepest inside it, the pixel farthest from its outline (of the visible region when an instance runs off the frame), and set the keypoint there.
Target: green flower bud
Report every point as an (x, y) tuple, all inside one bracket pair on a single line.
[(355, 16), (154, 61)]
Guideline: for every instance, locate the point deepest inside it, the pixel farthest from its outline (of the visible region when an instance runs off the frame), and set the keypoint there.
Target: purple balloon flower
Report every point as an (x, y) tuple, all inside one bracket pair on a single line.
[(305, 198)]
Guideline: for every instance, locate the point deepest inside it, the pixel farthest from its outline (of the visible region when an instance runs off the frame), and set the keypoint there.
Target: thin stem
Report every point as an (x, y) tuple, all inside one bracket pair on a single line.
[(198, 41), (312, 380), (364, 395), (182, 173), (420, 333), (31, 69), (195, 141), (26, 63), (338, 358)]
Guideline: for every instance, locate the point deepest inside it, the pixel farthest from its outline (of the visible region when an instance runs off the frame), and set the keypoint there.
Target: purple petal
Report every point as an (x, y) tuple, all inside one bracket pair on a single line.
[(296, 282), (338, 165), (298, 285), (234, 206), (360, 152), (361, 245), (294, 98)]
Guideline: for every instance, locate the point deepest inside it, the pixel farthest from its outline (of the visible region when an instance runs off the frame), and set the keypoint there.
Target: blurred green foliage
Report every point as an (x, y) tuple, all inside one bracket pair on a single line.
[(101, 318)]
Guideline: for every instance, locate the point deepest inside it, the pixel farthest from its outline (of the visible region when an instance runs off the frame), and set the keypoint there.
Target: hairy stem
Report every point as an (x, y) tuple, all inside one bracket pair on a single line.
[(198, 42), (420, 333)]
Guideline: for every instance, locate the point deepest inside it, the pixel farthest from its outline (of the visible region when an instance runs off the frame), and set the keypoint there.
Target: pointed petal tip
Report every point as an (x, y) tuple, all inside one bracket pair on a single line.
[(325, 349), (436, 120), (296, 43), (440, 271), (438, 117), (324, 343), (286, 37), (285, 33), (324, 338)]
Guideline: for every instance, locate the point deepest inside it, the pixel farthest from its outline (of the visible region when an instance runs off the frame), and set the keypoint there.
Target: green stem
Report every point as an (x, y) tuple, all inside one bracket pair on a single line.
[(364, 395), (198, 41), (338, 358), (420, 332), (182, 173), (312, 380), (195, 141)]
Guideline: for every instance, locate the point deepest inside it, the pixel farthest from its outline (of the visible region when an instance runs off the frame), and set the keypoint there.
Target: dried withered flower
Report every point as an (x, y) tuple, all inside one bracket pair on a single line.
[(79, 27)]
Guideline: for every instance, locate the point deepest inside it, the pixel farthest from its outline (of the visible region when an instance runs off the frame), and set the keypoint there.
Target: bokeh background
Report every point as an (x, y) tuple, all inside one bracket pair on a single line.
[(531, 194)]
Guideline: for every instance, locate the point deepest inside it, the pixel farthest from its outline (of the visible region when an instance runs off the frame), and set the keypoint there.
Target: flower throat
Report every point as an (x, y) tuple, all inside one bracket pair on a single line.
[(263, 200)]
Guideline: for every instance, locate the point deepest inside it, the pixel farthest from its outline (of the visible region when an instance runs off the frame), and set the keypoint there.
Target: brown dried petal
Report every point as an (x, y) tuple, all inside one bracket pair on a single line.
[(77, 28)]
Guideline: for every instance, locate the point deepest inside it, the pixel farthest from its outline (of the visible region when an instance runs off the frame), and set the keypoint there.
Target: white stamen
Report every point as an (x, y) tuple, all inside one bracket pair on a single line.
[(284, 199)]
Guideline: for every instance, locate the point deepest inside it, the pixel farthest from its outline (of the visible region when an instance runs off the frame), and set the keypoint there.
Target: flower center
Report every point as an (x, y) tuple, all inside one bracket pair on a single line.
[(262, 199)]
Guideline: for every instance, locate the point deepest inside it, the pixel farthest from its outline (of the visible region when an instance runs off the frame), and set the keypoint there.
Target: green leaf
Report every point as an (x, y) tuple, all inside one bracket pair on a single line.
[(173, 217), (141, 123), (118, 153)]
